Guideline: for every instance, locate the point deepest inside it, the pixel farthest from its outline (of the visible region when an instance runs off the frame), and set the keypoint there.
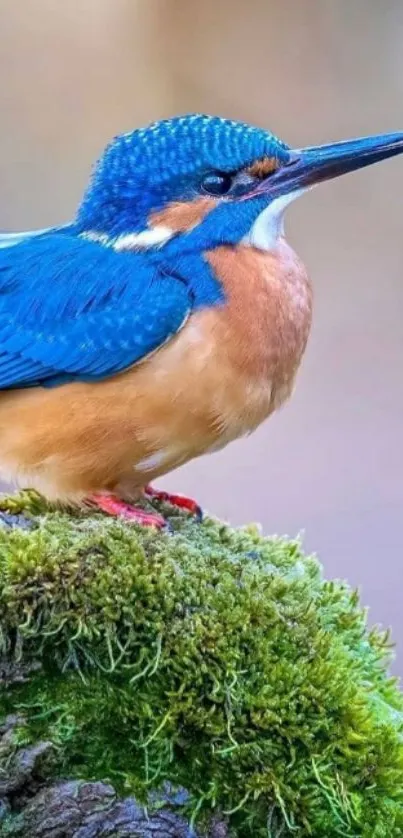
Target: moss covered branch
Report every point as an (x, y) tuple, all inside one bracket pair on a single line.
[(213, 660)]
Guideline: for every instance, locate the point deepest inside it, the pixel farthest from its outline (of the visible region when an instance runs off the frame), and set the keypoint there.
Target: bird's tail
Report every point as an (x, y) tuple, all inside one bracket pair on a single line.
[(11, 239)]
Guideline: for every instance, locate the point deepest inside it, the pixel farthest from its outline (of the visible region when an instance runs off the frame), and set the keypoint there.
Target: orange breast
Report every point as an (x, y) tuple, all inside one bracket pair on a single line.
[(218, 379)]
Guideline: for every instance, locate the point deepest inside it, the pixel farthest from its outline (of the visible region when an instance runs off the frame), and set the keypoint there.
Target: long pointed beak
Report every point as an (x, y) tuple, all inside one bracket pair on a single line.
[(308, 166)]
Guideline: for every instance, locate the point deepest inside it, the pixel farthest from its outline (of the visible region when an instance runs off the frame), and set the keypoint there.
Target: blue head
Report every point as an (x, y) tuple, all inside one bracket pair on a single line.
[(207, 181), (195, 161)]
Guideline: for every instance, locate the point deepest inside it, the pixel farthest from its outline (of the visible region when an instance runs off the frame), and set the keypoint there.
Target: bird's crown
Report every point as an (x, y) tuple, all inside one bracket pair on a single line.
[(170, 160)]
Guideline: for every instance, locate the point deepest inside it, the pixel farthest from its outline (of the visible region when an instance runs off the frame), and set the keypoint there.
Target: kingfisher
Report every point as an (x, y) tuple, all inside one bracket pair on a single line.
[(167, 319)]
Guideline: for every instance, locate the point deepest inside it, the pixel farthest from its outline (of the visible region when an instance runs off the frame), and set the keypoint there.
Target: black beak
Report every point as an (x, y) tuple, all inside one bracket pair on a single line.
[(308, 166)]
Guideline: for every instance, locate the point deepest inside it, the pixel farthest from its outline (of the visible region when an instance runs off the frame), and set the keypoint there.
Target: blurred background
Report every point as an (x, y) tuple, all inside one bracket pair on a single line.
[(74, 74)]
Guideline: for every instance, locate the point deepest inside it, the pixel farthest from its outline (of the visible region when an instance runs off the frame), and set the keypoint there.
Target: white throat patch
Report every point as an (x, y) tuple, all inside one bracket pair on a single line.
[(269, 225)]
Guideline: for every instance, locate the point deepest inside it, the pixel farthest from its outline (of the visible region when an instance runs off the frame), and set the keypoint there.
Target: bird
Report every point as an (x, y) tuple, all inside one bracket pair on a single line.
[(168, 318)]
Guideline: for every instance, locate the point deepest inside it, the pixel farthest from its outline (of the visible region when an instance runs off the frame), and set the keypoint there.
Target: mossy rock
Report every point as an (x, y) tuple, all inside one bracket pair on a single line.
[(214, 659)]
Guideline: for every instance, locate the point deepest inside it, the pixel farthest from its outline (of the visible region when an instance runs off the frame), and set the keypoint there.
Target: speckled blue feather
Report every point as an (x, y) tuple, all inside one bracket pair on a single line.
[(141, 170), (71, 309)]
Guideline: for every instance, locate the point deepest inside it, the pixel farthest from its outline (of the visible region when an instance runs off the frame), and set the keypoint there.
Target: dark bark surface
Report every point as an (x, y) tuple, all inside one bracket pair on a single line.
[(32, 806)]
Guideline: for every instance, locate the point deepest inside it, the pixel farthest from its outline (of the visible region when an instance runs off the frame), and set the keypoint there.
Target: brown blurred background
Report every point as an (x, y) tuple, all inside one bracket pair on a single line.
[(73, 74)]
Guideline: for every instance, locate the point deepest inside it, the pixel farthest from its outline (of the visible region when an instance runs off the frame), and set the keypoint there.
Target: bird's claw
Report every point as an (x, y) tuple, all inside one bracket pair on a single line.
[(132, 514), (180, 501)]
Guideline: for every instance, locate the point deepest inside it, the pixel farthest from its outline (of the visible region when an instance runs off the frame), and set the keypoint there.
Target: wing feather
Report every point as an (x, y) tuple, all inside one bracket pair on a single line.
[(72, 309)]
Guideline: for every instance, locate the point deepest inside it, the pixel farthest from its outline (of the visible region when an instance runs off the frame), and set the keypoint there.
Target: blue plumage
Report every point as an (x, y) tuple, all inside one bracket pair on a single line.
[(141, 170), (72, 308)]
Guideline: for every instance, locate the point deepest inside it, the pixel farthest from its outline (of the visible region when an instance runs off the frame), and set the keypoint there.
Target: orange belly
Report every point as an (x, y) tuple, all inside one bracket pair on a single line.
[(218, 379)]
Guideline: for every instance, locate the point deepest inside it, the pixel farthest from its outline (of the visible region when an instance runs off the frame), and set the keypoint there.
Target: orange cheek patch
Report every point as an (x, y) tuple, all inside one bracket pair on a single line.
[(263, 168), (182, 216)]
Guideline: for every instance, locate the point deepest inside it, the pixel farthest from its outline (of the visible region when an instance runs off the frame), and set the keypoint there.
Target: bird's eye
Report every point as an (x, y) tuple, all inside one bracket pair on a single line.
[(216, 183)]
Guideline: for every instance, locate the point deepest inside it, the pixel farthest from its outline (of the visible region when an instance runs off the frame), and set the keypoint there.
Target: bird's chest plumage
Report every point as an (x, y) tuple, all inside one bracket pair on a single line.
[(234, 364), (228, 368)]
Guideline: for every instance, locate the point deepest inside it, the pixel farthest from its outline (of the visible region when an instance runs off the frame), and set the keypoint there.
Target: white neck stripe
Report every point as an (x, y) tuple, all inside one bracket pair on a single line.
[(151, 237)]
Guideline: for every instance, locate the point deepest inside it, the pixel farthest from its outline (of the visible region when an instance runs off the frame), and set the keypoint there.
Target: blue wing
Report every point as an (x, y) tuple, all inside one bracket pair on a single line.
[(72, 309)]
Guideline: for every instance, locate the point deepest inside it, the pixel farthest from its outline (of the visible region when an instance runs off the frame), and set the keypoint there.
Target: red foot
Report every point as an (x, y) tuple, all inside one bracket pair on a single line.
[(175, 500), (118, 508)]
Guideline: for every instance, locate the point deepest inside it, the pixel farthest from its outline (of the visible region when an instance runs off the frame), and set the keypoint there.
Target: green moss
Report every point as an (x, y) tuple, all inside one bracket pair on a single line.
[(215, 659)]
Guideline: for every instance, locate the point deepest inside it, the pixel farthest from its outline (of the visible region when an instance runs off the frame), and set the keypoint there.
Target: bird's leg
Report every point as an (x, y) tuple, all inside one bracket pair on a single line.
[(180, 501), (112, 505)]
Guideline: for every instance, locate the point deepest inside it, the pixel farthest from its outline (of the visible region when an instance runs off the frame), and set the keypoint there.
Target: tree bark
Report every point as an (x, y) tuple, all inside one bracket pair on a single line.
[(34, 806)]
